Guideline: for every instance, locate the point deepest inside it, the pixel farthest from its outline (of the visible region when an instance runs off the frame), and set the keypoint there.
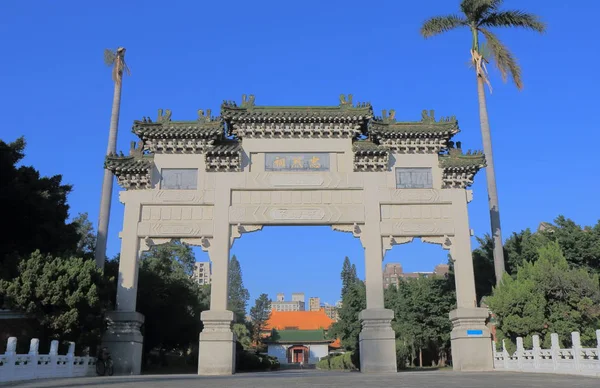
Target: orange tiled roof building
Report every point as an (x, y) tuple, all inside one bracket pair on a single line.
[(299, 336)]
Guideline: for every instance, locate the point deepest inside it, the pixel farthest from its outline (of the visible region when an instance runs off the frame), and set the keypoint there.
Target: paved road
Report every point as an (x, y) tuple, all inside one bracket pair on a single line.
[(317, 379)]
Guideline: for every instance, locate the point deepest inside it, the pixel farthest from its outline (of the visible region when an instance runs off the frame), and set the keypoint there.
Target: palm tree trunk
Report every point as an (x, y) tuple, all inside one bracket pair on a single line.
[(491, 182), (420, 358), (107, 183)]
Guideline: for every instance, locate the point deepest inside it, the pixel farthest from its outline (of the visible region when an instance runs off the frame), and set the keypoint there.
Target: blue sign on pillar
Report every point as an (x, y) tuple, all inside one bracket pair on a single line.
[(474, 333)]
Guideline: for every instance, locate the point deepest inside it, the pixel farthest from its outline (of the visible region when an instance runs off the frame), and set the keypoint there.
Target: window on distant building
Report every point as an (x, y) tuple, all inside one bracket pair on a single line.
[(413, 178), (179, 178)]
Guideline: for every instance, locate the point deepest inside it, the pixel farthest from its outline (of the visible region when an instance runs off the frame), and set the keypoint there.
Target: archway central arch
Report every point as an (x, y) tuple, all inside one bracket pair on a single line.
[(297, 166)]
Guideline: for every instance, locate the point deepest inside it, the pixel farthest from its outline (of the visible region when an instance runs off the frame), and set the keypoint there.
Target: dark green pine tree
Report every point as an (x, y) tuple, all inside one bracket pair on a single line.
[(348, 275), (238, 295), (260, 314)]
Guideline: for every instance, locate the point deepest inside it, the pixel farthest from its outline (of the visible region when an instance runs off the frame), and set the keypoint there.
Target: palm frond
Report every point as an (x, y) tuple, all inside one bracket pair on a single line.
[(513, 18), (475, 9), (117, 59), (439, 24), (503, 58), (109, 57)]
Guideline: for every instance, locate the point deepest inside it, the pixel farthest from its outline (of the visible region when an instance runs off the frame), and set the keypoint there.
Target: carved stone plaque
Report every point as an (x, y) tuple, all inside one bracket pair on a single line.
[(297, 214), (296, 180), (179, 178), (297, 161), (413, 178)]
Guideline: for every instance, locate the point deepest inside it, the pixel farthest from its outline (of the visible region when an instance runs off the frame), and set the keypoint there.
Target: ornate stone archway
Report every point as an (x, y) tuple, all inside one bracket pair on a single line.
[(211, 180)]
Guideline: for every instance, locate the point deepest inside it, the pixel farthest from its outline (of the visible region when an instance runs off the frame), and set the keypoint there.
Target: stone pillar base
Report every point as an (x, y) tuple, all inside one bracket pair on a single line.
[(377, 341), (124, 341), (471, 340), (217, 344)]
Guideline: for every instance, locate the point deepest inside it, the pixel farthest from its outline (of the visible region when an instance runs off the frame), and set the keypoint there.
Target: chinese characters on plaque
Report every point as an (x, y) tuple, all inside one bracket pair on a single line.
[(413, 178), (297, 162)]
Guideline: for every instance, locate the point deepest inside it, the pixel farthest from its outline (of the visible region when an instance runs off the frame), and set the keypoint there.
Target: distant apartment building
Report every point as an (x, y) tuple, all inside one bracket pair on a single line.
[(331, 311), (202, 272), (393, 273), (314, 303), (296, 304)]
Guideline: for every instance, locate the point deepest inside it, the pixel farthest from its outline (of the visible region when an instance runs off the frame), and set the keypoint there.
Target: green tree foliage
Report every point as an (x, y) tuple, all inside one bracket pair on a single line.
[(421, 307), (547, 296), (86, 245), (580, 245), (62, 293), (169, 298), (238, 295), (37, 209), (260, 314), (243, 335), (348, 275), (347, 328)]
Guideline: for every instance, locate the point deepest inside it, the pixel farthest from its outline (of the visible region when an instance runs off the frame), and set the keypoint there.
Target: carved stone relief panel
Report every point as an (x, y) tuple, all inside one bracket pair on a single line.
[(303, 180), (183, 196), (322, 215), (400, 196), (297, 197), (175, 229), (418, 227), (176, 213), (402, 212)]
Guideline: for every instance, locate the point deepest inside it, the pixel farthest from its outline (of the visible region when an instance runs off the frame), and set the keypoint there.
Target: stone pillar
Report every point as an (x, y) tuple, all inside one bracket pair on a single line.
[(123, 337), (555, 348), (470, 338), (377, 339), (217, 342)]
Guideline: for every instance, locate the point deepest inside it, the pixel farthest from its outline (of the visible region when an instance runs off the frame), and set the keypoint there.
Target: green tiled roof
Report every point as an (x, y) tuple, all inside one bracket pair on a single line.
[(456, 160), (136, 161), (387, 126), (227, 147), (248, 111), (203, 127), (365, 147), (298, 336)]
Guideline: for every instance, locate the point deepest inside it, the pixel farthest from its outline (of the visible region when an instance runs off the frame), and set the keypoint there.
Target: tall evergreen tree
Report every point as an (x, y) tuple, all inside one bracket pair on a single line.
[(37, 211), (347, 328), (238, 295), (260, 314), (348, 275)]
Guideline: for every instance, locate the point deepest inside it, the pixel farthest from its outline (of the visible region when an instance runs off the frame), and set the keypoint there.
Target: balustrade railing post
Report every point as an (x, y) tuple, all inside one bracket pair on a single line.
[(70, 359), (555, 348), (34, 368), (537, 352), (11, 358), (54, 358), (598, 351), (576, 351), (520, 351), (505, 355)]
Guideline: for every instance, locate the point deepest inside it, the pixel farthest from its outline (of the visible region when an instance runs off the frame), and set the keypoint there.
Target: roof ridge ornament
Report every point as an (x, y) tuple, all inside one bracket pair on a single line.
[(345, 102), (428, 118), (136, 151), (247, 102), (388, 119), (164, 118), (202, 118)]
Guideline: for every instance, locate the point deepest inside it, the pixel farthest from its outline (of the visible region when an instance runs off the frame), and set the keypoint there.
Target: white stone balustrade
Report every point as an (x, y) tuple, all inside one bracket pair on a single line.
[(14, 367), (575, 361)]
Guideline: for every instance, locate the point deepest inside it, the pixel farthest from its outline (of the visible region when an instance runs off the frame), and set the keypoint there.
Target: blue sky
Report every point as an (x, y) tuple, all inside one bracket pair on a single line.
[(187, 55)]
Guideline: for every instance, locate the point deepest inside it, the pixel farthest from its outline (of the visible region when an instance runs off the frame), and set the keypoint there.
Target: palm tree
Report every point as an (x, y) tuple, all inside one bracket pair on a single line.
[(479, 16), (116, 59)]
